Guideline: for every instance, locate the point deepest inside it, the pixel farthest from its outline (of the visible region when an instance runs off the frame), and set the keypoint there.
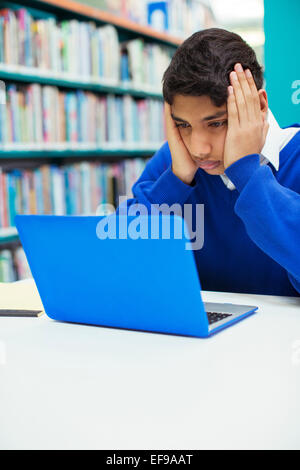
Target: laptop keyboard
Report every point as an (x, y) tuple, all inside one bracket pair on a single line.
[(213, 317)]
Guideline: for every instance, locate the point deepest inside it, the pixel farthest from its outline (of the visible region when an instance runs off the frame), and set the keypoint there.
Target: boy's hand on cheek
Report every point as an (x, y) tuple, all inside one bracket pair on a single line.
[(247, 129), (183, 165)]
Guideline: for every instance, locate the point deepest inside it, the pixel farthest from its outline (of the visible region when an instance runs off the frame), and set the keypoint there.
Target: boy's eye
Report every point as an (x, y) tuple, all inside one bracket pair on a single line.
[(217, 124), (183, 125)]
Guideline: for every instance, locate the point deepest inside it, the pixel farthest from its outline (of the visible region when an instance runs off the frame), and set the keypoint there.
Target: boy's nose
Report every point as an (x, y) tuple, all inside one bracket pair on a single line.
[(199, 147)]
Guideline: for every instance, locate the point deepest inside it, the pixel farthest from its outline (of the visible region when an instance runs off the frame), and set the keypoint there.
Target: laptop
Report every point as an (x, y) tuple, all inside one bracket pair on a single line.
[(122, 272)]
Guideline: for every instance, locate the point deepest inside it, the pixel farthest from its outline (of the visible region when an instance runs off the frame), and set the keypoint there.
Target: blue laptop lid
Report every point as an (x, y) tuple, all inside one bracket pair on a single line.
[(89, 270)]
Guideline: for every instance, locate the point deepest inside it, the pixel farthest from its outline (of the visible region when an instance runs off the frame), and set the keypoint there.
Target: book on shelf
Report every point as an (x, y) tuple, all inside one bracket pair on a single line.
[(158, 17), (46, 116)]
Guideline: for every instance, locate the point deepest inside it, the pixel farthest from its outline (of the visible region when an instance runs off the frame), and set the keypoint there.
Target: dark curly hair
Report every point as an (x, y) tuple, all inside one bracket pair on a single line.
[(201, 65)]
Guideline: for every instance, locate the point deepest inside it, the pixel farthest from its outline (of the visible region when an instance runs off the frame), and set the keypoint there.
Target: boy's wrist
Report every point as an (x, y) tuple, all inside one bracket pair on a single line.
[(186, 178)]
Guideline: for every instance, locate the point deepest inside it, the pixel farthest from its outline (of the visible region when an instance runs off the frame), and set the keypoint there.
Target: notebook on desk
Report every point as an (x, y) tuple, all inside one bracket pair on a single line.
[(20, 313), (20, 299), (119, 277)]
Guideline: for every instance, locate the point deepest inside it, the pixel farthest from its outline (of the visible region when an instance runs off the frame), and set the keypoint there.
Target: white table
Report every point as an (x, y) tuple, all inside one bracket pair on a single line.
[(67, 386)]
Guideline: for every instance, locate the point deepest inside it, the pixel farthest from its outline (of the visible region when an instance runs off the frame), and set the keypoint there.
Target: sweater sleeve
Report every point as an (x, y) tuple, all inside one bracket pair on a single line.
[(270, 212), (158, 184)]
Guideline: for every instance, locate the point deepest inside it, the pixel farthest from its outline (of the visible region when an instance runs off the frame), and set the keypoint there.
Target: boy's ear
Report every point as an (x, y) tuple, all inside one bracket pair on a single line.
[(263, 98)]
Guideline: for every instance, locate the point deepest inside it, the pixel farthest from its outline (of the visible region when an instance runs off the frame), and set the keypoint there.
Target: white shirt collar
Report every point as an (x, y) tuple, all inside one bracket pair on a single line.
[(276, 140)]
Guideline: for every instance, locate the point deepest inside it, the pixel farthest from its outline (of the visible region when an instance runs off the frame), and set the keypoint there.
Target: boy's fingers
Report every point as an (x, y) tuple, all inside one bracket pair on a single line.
[(239, 98), (233, 116), (255, 95), (247, 92)]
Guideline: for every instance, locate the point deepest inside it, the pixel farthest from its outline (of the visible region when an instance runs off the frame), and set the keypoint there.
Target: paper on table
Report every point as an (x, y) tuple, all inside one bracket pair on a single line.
[(21, 295)]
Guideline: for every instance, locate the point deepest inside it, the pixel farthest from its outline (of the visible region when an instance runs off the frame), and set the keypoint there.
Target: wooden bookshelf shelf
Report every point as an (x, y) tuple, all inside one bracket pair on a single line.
[(11, 73), (77, 153), (72, 8)]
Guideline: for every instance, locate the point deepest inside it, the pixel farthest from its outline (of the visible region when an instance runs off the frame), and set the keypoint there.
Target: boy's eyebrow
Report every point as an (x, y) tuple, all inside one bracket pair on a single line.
[(214, 116), (207, 118)]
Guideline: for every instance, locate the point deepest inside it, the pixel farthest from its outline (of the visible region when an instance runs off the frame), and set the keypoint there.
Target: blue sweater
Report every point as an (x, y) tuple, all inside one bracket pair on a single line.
[(251, 234)]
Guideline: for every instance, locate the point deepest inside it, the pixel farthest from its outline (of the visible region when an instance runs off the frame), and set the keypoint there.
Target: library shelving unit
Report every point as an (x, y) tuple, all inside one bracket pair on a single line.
[(127, 30)]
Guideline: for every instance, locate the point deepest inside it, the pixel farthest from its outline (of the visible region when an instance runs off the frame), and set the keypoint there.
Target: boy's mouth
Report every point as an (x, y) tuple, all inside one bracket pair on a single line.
[(208, 164)]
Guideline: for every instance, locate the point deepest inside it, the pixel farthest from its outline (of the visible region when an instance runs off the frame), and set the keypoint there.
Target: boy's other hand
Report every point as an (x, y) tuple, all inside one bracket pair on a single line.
[(183, 166), (247, 128)]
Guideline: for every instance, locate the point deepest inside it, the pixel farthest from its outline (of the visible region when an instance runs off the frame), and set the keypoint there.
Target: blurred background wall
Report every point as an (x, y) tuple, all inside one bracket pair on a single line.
[(282, 59)]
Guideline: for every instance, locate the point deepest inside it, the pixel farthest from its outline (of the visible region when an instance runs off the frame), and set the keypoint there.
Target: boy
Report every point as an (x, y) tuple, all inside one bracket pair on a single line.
[(225, 150)]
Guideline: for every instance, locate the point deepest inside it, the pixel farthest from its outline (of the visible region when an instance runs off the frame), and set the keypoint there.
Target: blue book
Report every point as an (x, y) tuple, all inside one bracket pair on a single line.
[(125, 76), (158, 15), (11, 199), (73, 190), (67, 190), (17, 175)]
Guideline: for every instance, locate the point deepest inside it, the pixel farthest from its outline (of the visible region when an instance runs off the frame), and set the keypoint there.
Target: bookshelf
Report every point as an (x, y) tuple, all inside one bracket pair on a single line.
[(14, 155)]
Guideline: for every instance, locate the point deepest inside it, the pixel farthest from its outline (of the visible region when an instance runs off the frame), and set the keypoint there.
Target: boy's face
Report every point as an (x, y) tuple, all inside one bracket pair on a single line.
[(203, 128)]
